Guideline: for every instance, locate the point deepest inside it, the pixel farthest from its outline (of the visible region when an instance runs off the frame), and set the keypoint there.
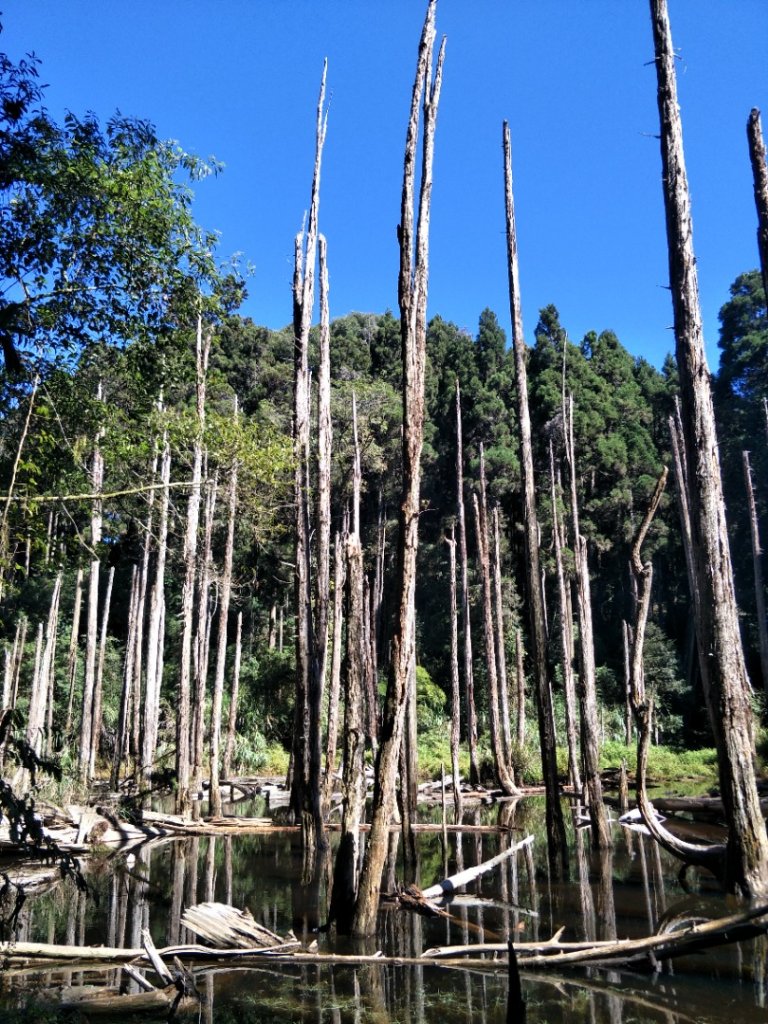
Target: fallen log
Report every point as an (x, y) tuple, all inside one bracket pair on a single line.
[(227, 927), (449, 885)]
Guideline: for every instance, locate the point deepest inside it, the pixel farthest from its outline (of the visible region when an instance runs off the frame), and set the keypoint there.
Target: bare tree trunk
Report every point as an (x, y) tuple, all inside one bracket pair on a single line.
[(520, 674), (4, 540), (202, 640), (455, 695), (324, 447), (127, 707), (221, 642), (721, 661), (305, 785), (339, 580), (760, 178), (556, 838), (587, 688), (99, 681), (73, 651), (566, 637), (345, 876), (229, 750), (757, 567), (156, 626), (38, 701), (412, 295), (504, 777), (501, 654), (625, 634), (183, 718), (466, 626), (91, 641)]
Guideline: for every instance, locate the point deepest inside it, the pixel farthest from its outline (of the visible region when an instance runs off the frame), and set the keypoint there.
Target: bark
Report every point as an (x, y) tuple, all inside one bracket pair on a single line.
[(455, 680), (184, 695), (38, 701), (99, 681), (587, 687), (305, 755), (332, 734), (229, 750), (412, 297), (221, 641), (346, 868), (466, 626), (156, 627), (73, 650), (625, 635), (556, 838), (202, 640), (324, 446), (504, 777), (520, 674), (760, 178), (757, 568), (89, 678), (721, 659), (501, 654), (566, 636)]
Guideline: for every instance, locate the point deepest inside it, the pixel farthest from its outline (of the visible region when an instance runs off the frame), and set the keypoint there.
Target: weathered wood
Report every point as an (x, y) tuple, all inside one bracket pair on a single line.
[(721, 658), (760, 179), (448, 885), (412, 297), (557, 843), (757, 570), (455, 679), (227, 927)]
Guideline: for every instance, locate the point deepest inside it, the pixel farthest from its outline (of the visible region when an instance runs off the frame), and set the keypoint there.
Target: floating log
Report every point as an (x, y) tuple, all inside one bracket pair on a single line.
[(449, 885), (227, 927)]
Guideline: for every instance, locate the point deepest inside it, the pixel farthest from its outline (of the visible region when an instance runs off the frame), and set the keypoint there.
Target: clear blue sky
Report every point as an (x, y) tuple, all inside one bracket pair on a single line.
[(239, 79)]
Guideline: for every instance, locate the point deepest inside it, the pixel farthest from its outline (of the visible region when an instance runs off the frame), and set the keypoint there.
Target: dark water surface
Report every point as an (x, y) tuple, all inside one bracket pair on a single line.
[(633, 891)]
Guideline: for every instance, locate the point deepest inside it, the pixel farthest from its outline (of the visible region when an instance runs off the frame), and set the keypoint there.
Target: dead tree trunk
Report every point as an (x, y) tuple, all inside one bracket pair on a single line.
[(504, 777), (91, 640), (520, 677), (99, 681), (346, 868), (39, 696), (566, 637), (466, 625), (332, 733), (229, 749), (156, 626), (760, 178), (721, 660), (587, 688), (73, 651), (455, 695), (127, 707), (412, 296), (501, 653), (305, 783), (323, 523), (757, 567), (184, 696), (202, 638), (221, 641), (556, 838)]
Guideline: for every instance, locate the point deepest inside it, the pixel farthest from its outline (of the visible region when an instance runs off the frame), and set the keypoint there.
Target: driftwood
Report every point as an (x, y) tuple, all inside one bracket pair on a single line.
[(227, 927), (448, 885), (552, 954)]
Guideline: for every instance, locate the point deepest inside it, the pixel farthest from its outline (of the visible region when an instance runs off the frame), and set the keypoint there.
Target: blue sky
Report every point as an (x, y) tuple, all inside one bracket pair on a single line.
[(239, 79)]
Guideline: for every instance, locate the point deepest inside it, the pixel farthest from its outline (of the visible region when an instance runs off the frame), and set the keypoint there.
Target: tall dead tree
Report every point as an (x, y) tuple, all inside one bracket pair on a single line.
[(757, 568), (229, 746), (305, 783), (334, 689), (760, 178), (721, 658), (587, 686), (184, 694), (501, 652), (504, 776), (466, 625), (455, 695), (412, 297), (556, 838)]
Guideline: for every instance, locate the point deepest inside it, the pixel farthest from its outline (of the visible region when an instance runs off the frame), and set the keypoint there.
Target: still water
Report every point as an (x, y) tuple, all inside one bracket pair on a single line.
[(631, 892)]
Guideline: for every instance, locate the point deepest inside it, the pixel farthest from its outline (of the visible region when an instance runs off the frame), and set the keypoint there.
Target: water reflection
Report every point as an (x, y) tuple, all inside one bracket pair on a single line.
[(627, 892)]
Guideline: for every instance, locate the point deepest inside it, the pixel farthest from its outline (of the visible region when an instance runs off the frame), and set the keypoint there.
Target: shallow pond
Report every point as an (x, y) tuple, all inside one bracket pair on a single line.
[(629, 893)]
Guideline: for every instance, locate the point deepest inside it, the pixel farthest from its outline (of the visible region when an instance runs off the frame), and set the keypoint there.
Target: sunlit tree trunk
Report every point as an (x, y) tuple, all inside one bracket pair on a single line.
[(412, 296), (721, 661), (184, 694), (99, 681), (74, 648), (225, 592), (91, 639), (38, 701), (760, 178), (128, 709), (466, 625), (587, 687), (520, 680), (229, 750), (501, 653), (455, 679), (332, 733), (556, 838), (156, 626), (305, 782), (202, 639)]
